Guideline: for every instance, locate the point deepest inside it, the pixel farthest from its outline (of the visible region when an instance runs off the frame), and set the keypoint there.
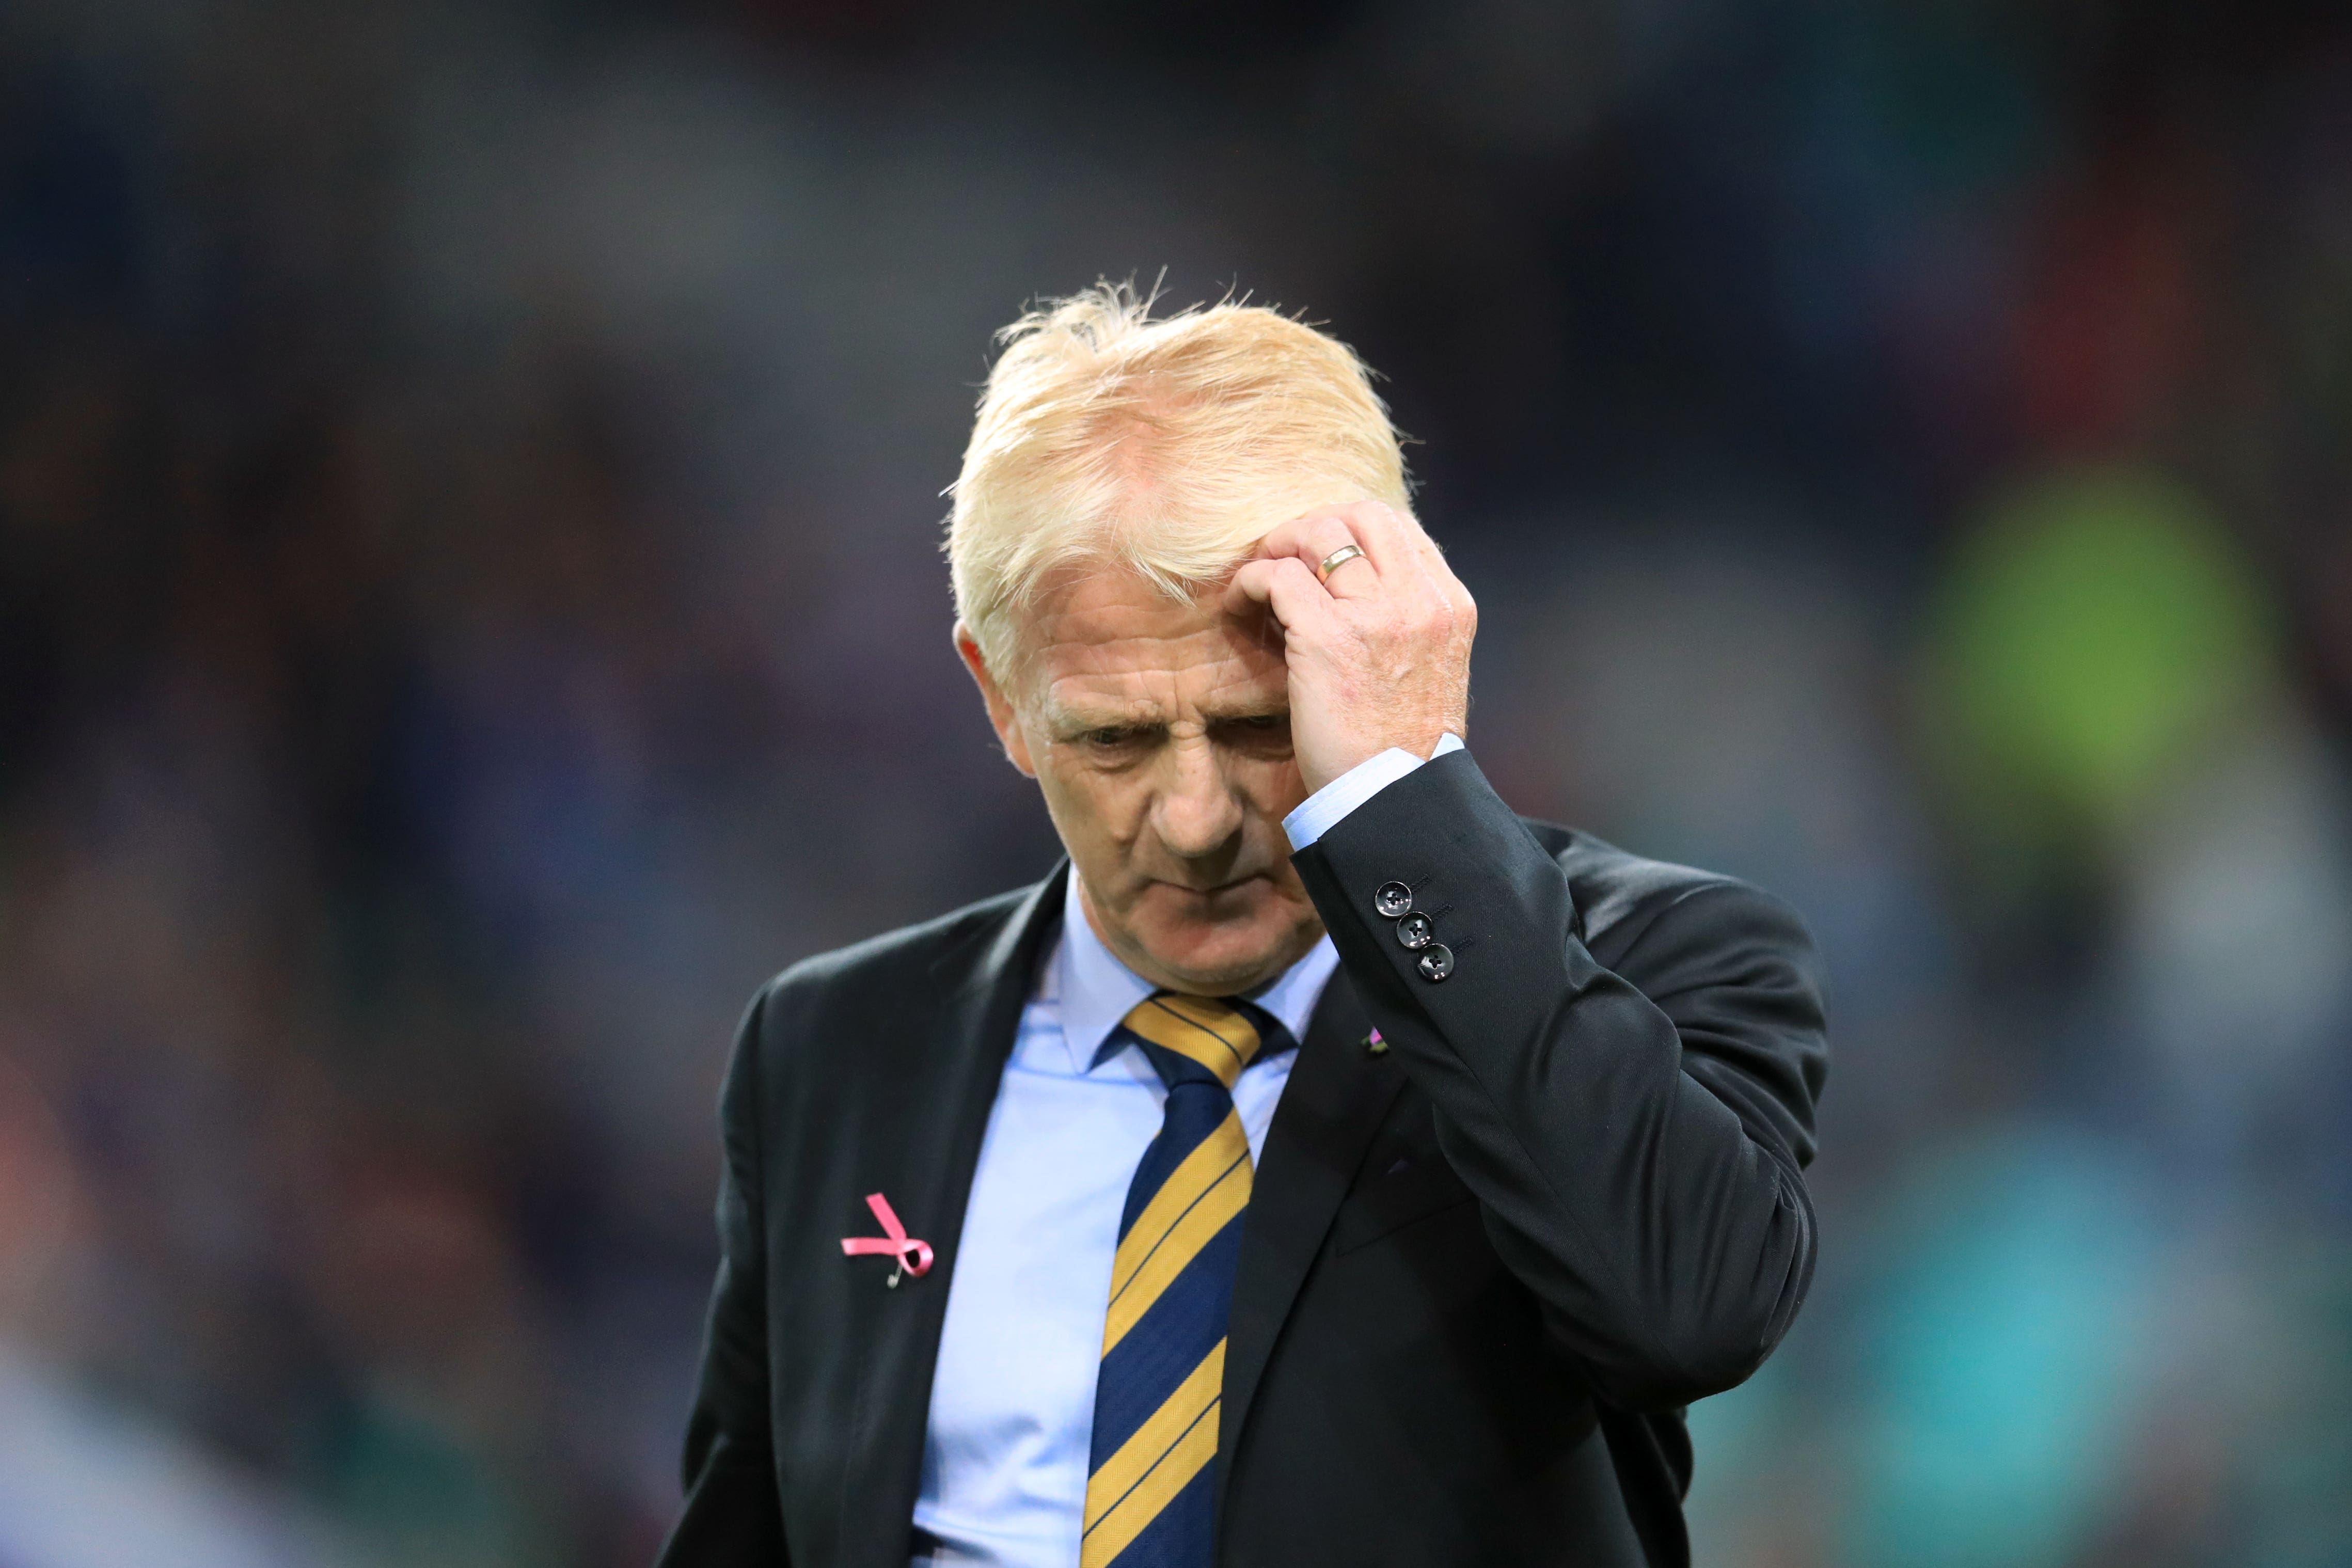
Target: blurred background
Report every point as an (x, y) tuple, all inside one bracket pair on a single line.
[(470, 609)]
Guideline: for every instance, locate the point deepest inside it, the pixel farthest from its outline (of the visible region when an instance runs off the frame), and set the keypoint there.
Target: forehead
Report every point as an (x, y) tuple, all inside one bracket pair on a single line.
[(1110, 641)]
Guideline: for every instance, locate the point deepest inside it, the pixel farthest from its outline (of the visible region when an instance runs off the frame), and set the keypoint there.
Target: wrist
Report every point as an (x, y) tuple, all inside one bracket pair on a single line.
[(1324, 774), (1327, 769)]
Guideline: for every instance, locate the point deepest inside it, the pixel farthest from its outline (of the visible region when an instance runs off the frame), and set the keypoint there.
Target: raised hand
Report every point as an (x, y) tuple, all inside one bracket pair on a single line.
[(1378, 644)]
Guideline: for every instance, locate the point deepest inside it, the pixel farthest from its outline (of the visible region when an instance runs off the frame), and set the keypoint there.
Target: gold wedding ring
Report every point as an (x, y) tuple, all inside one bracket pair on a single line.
[(1336, 559)]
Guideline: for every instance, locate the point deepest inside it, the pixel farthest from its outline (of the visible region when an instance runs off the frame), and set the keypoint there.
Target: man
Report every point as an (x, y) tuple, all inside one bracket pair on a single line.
[(1324, 1165)]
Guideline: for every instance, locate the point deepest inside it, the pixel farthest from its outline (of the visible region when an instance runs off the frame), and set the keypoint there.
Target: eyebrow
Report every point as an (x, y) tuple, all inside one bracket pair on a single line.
[(1069, 721), (1066, 720)]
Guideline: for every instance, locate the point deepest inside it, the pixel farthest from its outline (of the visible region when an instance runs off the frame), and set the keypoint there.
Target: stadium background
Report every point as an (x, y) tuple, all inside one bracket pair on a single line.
[(469, 609)]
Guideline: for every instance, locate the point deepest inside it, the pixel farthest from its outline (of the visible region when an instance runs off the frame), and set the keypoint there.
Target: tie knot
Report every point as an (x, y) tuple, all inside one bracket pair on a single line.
[(1212, 1034)]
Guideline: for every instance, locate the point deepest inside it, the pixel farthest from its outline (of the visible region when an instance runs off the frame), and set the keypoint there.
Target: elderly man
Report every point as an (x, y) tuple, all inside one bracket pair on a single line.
[(1323, 1165)]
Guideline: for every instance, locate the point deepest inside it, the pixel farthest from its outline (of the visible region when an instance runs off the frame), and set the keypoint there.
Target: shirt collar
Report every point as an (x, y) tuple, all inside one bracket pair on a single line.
[(1096, 990)]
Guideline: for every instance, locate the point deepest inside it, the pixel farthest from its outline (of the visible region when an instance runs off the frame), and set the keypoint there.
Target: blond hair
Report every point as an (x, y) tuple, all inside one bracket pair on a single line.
[(1168, 447)]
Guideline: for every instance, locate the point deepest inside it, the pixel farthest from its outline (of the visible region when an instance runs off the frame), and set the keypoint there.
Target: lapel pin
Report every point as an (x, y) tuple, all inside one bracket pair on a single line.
[(914, 1255), (1375, 1044)]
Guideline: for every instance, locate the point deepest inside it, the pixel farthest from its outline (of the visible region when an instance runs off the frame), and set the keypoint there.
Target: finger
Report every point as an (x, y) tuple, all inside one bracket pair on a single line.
[(1313, 536), (1340, 562), (1424, 589), (1384, 533), (1315, 539), (1286, 586), (1414, 576), (1427, 555), (1381, 529), (1350, 572)]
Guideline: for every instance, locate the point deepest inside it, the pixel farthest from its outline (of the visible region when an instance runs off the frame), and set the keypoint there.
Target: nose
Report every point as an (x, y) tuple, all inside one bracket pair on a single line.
[(1198, 814)]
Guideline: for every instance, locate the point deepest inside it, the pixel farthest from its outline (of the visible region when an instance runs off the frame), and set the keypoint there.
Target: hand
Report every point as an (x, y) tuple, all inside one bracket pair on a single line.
[(1379, 653)]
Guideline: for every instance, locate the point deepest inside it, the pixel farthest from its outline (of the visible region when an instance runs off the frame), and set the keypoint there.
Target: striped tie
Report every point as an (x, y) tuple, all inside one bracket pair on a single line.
[(1149, 1480)]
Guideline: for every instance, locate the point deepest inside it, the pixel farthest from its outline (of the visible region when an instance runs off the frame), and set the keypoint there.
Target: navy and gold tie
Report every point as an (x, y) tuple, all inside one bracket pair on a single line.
[(1149, 1475)]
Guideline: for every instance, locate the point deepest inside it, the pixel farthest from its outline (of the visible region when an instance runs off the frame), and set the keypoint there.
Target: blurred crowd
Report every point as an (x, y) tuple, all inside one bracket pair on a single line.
[(470, 609)]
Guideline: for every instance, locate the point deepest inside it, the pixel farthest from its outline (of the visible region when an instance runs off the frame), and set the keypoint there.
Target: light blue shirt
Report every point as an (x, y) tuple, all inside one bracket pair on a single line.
[(1012, 1416)]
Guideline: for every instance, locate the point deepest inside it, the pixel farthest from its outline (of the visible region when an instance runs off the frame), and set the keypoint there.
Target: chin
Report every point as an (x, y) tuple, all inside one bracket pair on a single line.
[(1220, 957), (1209, 978)]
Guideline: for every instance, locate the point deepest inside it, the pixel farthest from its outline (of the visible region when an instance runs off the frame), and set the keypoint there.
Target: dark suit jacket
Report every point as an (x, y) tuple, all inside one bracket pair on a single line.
[(1482, 1271)]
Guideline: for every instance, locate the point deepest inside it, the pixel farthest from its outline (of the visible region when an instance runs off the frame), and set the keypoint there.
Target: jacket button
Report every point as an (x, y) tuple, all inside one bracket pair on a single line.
[(1436, 962), (1393, 899), (1416, 931)]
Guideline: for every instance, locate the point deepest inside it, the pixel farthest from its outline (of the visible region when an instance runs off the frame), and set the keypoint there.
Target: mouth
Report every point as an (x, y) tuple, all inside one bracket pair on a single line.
[(1216, 890)]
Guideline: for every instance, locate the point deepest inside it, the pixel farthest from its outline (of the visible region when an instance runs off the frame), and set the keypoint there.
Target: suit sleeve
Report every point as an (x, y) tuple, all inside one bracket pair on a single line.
[(733, 1518), (1634, 1137)]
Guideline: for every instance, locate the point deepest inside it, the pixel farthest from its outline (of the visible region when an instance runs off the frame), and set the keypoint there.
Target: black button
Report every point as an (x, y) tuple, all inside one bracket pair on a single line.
[(1436, 962), (1416, 931), (1395, 898)]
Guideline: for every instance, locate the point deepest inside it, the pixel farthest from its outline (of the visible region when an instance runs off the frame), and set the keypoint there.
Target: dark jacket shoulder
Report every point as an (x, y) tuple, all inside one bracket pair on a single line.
[(1696, 941), (1620, 895), (1616, 889), (887, 993), (910, 956)]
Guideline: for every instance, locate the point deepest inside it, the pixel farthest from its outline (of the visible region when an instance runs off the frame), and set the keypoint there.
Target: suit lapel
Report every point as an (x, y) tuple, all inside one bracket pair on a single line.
[(1337, 1097), (940, 1132)]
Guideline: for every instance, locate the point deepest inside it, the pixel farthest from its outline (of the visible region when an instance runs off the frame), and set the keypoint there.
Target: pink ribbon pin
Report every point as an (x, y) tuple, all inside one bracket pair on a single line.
[(914, 1255)]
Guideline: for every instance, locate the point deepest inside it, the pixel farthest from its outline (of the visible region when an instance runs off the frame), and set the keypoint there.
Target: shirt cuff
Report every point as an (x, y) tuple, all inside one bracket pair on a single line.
[(1321, 811)]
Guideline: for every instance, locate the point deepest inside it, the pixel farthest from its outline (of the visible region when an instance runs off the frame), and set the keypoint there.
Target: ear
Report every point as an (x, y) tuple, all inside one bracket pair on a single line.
[(1009, 732)]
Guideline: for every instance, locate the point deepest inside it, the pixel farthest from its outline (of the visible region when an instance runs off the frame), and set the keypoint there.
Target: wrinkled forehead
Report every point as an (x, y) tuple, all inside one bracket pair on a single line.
[(1111, 645)]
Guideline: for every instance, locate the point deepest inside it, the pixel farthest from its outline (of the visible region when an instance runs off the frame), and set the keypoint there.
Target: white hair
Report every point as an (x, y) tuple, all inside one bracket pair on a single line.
[(1166, 447)]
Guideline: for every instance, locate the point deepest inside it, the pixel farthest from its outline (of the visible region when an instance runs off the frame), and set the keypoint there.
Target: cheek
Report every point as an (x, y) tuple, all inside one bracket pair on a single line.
[(1086, 803), (1274, 785)]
